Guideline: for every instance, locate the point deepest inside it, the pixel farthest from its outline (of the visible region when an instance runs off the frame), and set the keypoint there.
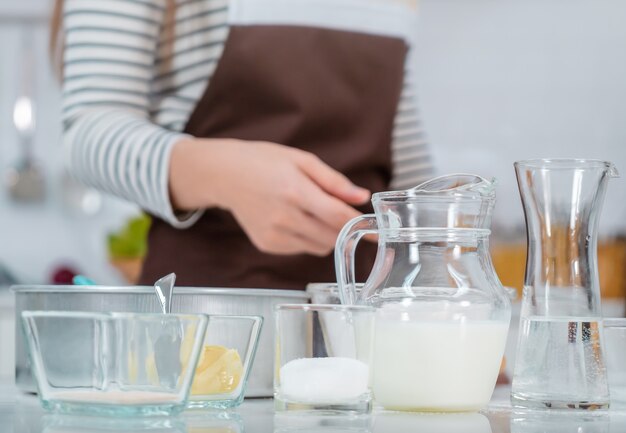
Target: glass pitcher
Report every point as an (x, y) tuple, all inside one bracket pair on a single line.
[(559, 362), (442, 314)]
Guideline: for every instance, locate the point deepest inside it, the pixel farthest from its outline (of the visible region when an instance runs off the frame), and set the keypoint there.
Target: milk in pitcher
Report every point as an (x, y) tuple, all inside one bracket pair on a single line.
[(435, 365)]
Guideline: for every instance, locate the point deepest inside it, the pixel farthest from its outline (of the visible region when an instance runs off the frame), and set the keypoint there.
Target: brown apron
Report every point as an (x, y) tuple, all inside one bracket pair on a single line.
[(330, 92)]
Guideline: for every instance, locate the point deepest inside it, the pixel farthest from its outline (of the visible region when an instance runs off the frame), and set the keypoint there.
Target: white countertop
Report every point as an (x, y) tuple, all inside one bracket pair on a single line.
[(20, 413)]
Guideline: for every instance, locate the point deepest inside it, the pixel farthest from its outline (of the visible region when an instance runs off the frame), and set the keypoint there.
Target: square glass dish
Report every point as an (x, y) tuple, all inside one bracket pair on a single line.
[(225, 361), (118, 364)]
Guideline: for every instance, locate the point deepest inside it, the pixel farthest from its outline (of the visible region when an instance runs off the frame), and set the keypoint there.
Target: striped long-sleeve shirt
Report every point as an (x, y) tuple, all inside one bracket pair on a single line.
[(129, 88)]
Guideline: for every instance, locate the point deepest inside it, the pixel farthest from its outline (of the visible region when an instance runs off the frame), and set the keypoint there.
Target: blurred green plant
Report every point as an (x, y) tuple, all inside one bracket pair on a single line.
[(132, 240)]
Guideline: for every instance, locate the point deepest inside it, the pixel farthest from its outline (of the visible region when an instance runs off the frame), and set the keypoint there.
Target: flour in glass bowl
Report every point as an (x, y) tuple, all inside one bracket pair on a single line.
[(116, 397), (323, 380)]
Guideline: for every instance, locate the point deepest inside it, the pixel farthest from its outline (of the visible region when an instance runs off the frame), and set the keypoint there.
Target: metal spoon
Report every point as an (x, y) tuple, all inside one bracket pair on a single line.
[(167, 346)]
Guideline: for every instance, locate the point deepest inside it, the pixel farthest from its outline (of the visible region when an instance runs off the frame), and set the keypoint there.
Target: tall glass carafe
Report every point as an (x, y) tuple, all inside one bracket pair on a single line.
[(442, 315), (559, 362)]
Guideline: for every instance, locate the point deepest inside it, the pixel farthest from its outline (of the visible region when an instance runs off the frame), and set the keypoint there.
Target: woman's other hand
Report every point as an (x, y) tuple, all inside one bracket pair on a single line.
[(287, 200)]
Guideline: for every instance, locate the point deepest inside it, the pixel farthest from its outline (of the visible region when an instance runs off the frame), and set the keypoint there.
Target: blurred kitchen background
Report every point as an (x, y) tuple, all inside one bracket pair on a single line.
[(498, 80)]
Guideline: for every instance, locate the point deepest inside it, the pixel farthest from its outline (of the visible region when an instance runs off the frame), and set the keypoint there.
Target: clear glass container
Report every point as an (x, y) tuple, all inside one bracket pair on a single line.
[(322, 358), (225, 361), (327, 293), (559, 362), (121, 364), (615, 356), (442, 315)]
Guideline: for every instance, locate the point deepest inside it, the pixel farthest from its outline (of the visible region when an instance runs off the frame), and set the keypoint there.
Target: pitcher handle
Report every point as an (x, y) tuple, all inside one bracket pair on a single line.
[(345, 247)]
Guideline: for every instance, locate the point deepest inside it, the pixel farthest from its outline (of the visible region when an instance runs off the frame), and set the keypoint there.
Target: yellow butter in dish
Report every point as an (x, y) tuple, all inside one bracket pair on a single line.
[(219, 371)]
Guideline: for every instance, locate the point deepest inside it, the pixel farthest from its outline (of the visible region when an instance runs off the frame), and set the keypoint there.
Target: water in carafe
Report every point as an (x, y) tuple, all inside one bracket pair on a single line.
[(559, 362)]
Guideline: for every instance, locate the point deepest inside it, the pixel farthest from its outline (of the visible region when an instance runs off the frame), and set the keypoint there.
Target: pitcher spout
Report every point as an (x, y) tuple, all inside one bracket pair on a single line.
[(452, 201), (612, 171), (458, 183)]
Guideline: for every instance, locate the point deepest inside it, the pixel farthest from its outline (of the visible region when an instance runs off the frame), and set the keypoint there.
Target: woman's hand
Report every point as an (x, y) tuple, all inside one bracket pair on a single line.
[(287, 200)]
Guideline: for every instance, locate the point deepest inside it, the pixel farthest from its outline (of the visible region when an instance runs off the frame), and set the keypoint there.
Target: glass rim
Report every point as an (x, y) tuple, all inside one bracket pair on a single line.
[(324, 307), (564, 163), (327, 287), (429, 197), (452, 194)]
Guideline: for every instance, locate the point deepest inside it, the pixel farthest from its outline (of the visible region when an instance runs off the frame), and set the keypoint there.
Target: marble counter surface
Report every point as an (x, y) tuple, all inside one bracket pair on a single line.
[(21, 413)]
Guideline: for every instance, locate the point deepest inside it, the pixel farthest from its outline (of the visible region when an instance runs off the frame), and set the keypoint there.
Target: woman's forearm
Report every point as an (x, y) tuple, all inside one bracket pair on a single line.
[(196, 173)]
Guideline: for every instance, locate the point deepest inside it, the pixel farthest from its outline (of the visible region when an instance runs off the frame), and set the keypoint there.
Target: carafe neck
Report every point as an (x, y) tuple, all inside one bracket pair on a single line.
[(562, 201)]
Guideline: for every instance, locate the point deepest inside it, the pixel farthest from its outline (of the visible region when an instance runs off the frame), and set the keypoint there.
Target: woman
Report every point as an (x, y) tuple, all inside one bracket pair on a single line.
[(260, 127)]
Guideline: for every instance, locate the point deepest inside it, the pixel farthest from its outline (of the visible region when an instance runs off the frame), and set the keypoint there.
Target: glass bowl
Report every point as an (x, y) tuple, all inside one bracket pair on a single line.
[(113, 364), (225, 361)]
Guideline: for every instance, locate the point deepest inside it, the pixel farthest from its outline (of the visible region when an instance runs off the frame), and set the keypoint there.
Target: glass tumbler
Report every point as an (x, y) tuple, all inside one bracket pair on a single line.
[(615, 356), (322, 358)]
